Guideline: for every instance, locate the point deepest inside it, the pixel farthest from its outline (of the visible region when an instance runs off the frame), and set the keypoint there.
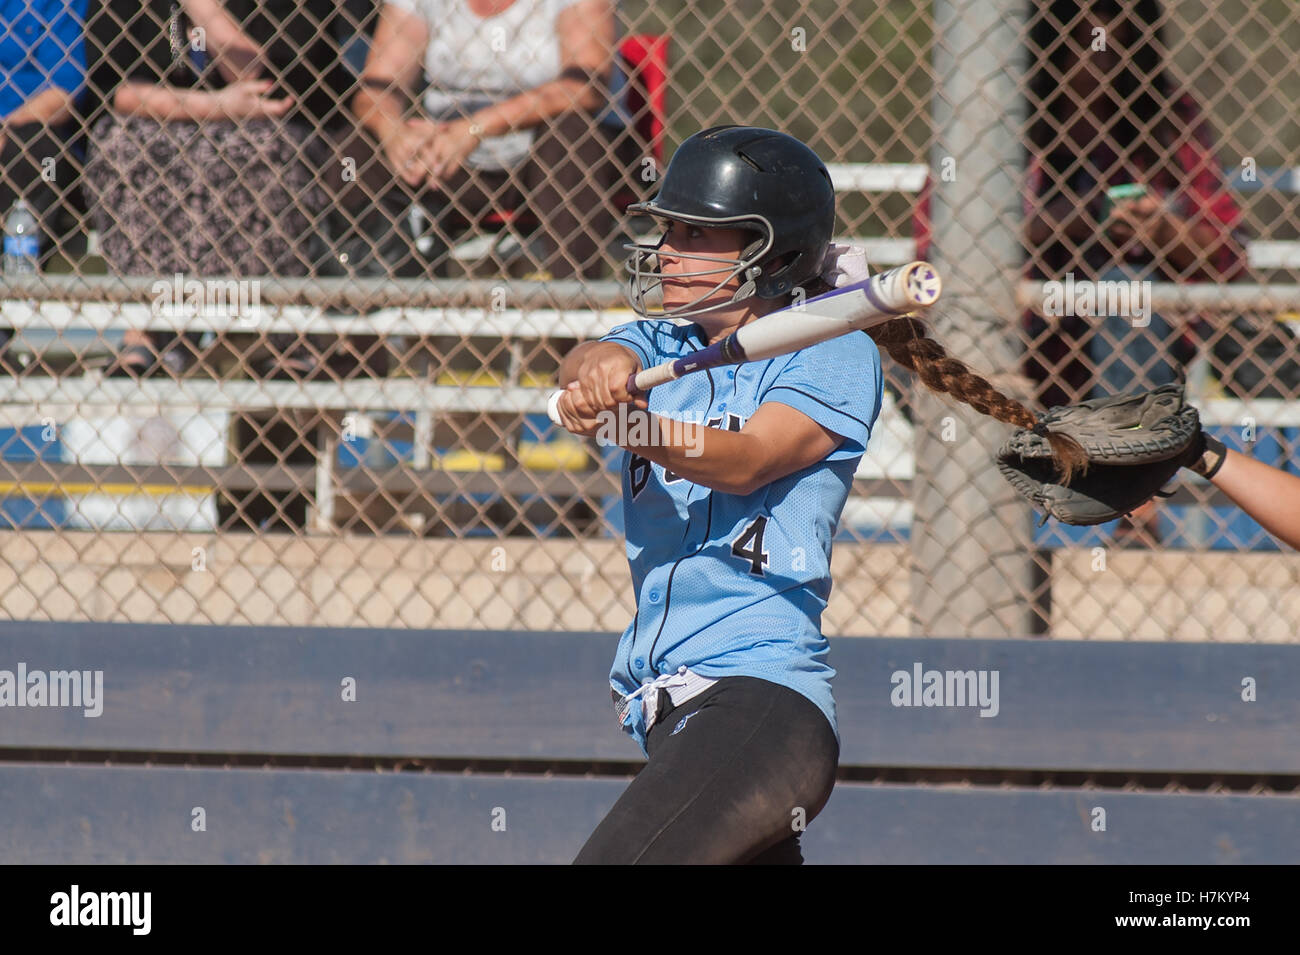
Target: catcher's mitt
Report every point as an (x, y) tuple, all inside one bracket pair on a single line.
[(1135, 444)]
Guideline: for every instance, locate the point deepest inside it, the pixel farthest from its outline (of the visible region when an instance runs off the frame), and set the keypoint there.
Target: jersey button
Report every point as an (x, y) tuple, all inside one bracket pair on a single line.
[(722, 406), (654, 596), (639, 662), (731, 374)]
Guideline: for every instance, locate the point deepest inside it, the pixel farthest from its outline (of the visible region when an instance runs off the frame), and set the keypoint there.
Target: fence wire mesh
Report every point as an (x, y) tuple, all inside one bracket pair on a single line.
[(304, 274)]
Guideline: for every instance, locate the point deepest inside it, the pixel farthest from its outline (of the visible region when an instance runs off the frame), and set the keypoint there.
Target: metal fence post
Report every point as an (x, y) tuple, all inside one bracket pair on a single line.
[(972, 566)]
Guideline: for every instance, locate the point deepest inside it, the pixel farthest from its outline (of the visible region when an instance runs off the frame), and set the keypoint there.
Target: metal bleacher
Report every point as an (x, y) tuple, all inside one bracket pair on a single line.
[(537, 460)]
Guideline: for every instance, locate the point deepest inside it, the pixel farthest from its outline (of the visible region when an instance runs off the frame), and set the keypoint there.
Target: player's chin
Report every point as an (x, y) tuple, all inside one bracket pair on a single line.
[(682, 296)]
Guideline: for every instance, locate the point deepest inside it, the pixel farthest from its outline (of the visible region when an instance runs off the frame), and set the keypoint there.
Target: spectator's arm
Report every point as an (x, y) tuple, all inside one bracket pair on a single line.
[(586, 31), (50, 107), (220, 27), (237, 57), (238, 101), (392, 66)]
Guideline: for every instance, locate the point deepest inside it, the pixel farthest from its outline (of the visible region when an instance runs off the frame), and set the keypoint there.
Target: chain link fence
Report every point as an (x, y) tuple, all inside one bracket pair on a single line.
[(304, 274)]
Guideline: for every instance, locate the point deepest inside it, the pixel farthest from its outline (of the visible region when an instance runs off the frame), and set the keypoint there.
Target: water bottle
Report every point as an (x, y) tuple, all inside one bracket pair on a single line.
[(22, 240)]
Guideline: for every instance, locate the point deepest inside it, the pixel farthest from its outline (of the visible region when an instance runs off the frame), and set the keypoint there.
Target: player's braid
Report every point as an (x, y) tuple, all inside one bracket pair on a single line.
[(908, 343)]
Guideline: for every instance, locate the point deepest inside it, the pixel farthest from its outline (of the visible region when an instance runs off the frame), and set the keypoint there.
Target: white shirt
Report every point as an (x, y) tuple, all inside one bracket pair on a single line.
[(472, 61)]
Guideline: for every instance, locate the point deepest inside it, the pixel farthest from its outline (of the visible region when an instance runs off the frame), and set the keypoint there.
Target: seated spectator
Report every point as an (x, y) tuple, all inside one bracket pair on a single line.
[(210, 161), (512, 115), (1102, 118), (42, 72)]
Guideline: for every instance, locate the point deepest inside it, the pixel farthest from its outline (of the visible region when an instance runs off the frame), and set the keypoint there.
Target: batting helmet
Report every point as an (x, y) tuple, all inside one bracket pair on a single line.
[(748, 178)]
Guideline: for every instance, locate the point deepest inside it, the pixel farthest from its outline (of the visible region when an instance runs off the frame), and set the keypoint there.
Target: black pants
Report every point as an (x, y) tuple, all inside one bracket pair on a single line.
[(735, 783)]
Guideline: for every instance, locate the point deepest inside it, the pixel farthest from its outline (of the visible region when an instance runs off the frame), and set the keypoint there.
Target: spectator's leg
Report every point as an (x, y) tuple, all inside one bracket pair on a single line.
[(570, 181), (127, 195), (369, 233), (462, 201)]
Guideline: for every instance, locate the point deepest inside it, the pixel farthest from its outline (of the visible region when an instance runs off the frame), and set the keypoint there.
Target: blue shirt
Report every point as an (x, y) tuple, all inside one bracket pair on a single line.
[(42, 45), (732, 585)]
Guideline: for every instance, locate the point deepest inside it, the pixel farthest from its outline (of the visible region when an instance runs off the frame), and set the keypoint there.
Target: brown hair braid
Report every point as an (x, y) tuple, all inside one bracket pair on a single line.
[(908, 343)]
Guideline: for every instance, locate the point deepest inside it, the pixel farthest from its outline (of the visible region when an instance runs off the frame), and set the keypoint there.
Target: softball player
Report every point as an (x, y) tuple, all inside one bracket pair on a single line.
[(722, 676)]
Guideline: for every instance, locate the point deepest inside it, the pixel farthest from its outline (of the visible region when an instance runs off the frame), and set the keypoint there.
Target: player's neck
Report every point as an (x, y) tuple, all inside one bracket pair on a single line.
[(719, 325)]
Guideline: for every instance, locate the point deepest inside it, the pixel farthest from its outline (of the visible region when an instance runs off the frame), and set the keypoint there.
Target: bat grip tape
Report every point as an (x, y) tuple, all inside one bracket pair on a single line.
[(726, 352)]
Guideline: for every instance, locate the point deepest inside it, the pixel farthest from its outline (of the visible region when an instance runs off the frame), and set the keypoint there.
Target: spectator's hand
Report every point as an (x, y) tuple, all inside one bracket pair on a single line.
[(1144, 222), (451, 144), (247, 100), (601, 385), (402, 147)]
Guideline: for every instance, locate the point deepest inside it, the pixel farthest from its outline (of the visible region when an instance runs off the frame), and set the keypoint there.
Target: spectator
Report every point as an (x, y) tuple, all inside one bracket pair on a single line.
[(210, 161), (516, 89), (42, 72), (1105, 112)]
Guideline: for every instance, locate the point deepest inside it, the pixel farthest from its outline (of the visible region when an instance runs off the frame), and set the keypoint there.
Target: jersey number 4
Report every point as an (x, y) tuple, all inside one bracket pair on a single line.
[(749, 546)]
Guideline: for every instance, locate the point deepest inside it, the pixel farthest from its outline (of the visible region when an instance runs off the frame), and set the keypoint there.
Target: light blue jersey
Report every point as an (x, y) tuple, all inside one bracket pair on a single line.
[(729, 585)]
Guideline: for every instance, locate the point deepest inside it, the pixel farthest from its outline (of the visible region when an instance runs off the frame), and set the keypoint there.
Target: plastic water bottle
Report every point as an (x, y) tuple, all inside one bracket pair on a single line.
[(22, 240)]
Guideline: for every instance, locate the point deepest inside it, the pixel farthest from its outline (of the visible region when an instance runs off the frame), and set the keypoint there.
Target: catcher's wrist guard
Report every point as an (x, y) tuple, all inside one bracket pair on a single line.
[(1213, 453)]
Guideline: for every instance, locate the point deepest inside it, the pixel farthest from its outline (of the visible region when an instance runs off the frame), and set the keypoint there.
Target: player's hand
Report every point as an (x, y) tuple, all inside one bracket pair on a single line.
[(600, 386), (447, 150), (247, 99), (402, 148)]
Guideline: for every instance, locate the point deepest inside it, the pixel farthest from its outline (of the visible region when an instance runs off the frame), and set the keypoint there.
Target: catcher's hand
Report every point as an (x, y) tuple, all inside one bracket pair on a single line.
[(1135, 444)]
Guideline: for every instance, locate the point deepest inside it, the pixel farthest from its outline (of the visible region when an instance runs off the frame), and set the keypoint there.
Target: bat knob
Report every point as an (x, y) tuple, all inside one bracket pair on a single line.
[(923, 284)]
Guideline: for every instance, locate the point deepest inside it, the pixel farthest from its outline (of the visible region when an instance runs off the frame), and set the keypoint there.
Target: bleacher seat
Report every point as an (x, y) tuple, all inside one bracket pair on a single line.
[(21, 505)]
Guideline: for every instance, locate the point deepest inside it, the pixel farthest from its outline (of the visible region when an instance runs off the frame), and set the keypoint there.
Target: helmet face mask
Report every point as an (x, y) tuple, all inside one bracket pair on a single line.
[(646, 276), (740, 177)]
